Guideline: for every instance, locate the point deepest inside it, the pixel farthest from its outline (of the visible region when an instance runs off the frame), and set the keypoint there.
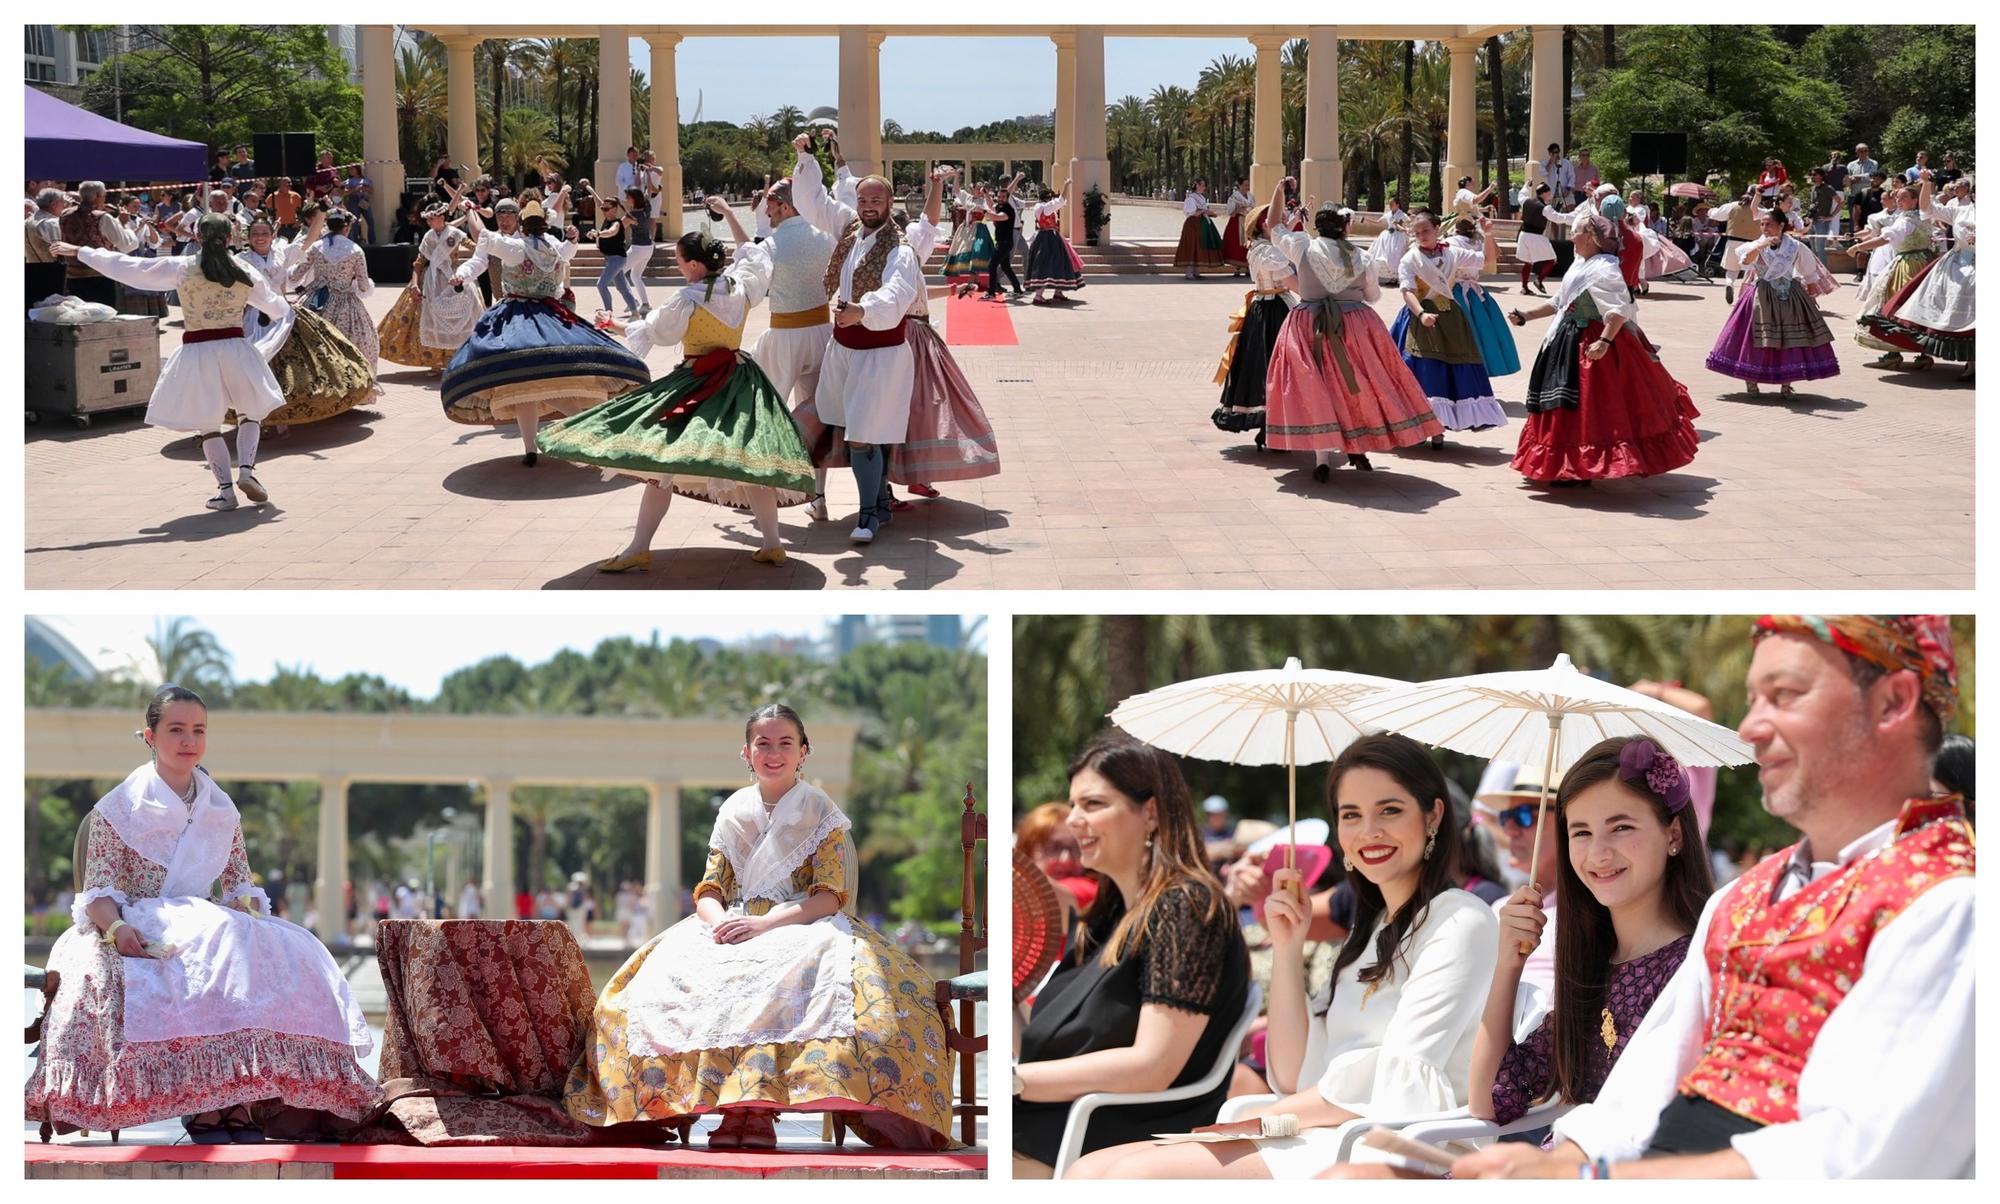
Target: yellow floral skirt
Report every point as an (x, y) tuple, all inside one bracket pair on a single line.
[(891, 1080), (398, 334)]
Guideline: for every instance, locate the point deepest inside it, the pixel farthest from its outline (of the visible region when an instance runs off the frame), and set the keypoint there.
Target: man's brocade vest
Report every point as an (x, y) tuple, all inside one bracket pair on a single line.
[(1779, 970)]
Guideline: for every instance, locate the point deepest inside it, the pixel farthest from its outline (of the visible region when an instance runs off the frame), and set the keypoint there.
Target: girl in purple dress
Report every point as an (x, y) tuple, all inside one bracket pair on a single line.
[(1775, 334), (1630, 888)]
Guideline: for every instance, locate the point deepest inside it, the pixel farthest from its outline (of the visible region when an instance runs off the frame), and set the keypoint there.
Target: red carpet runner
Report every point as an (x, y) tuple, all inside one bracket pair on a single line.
[(505, 1162), (970, 322)]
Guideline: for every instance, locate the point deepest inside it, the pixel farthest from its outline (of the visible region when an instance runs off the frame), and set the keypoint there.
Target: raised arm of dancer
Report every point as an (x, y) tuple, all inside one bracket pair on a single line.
[(809, 194), (721, 209), (1492, 248), (153, 275)]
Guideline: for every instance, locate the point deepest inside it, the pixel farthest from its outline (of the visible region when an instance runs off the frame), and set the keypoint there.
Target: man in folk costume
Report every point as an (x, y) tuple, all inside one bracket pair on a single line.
[(1826, 1030), (866, 378), (792, 350)]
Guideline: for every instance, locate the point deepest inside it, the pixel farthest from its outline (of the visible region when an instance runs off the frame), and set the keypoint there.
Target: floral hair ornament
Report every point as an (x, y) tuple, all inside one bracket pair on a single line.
[(1645, 764)]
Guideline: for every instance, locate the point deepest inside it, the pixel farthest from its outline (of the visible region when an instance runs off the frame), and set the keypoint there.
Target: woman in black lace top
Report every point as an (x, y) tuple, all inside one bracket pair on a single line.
[(1156, 974), (1634, 877)]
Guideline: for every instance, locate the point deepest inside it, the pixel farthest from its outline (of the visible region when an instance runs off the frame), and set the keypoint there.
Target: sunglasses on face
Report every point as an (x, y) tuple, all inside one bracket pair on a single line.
[(1521, 815)]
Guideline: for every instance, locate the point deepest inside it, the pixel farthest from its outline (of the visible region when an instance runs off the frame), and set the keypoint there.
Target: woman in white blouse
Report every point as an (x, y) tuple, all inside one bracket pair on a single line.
[(1775, 333), (1392, 1035)]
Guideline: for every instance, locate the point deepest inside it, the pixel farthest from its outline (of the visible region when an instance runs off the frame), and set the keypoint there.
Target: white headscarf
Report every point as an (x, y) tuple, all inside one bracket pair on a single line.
[(767, 845)]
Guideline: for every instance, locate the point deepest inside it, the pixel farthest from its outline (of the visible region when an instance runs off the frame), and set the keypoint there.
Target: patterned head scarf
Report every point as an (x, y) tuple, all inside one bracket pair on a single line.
[(1919, 643)]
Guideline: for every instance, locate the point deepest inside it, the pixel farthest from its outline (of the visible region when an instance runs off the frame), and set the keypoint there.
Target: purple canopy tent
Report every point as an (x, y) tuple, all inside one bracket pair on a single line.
[(69, 143)]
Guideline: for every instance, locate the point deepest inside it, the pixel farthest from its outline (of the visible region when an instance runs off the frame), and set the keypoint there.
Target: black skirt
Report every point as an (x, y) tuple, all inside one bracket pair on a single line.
[(1242, 407)]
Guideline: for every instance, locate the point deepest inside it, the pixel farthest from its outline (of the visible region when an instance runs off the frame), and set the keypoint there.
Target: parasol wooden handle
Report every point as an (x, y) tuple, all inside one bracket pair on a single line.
[(1542, 810)]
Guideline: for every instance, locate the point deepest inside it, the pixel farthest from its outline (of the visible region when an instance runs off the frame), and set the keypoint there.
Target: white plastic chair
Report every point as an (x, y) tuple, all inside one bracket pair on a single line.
[(1436, 1128), (1084, 1106)]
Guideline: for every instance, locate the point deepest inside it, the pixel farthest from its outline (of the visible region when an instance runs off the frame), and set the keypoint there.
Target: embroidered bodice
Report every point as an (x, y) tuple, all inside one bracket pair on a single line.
[(706, 332), (348, 274), (206, 305)]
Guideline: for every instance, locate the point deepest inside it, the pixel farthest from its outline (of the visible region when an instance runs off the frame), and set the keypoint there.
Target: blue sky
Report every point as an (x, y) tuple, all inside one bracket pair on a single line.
[(927, 83), (413, 651)]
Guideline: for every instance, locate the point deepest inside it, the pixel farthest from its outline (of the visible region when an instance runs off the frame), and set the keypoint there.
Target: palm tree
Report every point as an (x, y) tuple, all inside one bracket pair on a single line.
[(1126, 124), (1369, 122), (786, 122), (189, 655), (1496, 80), (423, 101), (1408, 118), (1292, 87), (526, 141)]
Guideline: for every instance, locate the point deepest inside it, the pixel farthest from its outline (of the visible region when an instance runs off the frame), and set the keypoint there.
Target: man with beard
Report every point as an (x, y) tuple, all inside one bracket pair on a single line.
[(873, 279), (1822, 1024)]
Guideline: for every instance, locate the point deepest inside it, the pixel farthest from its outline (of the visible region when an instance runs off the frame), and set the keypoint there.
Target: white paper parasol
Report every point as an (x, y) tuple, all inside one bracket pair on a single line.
[(1549, 716), (1291, 716)]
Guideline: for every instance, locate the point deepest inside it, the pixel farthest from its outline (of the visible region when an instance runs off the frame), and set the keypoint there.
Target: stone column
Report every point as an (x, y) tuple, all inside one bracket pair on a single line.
[(330, 872), (874, 104), (1065, 123), (1320, 167), (614, 105), (379, 147), (664, 128), (1090, 166), (498, 882), (1462, 132), (461, 108), (1545, 99), (1268, 140), (854, 99), (663, 854)]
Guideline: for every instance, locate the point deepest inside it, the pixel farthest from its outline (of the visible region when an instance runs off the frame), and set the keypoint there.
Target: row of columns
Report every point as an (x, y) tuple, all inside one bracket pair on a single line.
[(1080, 142), (663, 863)]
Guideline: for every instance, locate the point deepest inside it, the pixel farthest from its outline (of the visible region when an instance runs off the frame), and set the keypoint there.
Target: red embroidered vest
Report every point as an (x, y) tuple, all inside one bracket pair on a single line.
[(1046, 221), (1779, 971)]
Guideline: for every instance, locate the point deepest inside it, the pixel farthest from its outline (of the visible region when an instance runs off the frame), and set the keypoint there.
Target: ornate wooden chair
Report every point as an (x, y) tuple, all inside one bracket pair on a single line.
[(968, 989)]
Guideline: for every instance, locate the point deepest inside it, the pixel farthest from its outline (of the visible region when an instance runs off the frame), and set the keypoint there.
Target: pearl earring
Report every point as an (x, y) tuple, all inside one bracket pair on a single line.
[(1430, 845), (1347, 863)]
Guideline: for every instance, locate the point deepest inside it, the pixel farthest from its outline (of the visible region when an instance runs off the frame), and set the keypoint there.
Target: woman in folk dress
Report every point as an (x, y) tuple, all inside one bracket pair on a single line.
[(1437, 339), (175, 1002), (338, 264), (436, 313), (321, 374), (218, 369), (770, 997), (1775, 334)]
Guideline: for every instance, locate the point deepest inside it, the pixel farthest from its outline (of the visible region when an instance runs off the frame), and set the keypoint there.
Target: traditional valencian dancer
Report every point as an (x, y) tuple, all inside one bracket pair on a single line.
[(320, 373), (1775, 334), (1436, 338), (1532, 246), (1391, 244), (530, 355), (1200, 247), (1253, 330), (1234, 247), (1336, 382), (1053, 264), (437, 312), (1906, 239), (177, 1001), (337, 264), (949, 437), (1600, 403), (1489, 325), (217, 369), (969, 255), (1933, 315), (866, 383), (1824, 1023), (791, 351), (771, 996), (714, 428)]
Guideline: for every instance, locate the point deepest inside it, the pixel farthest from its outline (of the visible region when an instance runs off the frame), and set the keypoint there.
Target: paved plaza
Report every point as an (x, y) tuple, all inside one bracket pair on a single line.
[(1112, 478)]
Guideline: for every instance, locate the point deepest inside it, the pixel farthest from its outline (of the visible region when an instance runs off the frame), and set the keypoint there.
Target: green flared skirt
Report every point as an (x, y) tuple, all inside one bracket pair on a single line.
[(740, 436)]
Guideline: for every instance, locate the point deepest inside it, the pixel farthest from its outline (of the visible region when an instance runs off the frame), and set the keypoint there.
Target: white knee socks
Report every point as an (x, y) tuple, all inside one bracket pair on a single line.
[(216, 451)]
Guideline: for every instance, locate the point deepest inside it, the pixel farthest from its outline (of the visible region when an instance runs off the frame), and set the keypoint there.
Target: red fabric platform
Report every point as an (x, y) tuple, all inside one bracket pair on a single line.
[(971, 322), (509, 1162)]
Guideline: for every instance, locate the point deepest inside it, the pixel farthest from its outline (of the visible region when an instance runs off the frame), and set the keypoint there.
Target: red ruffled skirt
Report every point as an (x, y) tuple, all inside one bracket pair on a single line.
[(1620, 416), (1308, 403)]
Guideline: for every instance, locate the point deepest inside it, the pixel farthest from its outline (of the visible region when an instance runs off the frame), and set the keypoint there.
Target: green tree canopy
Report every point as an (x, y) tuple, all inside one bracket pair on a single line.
[(220, 84)]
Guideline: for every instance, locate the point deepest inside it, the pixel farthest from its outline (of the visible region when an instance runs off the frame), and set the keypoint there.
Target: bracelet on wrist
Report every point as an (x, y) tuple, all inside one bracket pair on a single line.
[(110, 936)]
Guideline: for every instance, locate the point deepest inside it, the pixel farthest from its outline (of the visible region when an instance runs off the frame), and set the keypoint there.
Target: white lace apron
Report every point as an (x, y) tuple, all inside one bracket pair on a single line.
[(792, 983), (232, 971)]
